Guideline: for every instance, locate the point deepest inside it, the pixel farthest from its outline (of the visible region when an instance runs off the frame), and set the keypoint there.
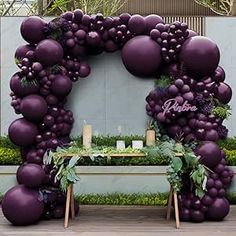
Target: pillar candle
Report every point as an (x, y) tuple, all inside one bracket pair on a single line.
[(87, 136), (150, 138)]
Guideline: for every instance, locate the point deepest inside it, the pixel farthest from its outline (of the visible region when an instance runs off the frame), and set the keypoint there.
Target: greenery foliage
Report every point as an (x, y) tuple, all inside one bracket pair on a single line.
[(222, 111), (9, 156), (106, 7)]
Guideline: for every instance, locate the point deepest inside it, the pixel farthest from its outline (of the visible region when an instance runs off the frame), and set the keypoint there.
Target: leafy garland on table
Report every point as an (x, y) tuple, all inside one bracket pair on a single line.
[(166, 147)]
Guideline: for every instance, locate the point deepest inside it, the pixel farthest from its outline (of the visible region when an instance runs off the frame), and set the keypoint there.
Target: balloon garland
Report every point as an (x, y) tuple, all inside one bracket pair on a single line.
[(189, 100)]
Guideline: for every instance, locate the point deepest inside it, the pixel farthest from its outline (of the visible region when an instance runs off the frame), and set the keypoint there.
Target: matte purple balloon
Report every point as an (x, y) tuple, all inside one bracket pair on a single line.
[(20, 90), (209, 152), (200, 56), (49, 52), (110, 46), (191, 33), (211, 135), (141, 56), (32, 29), (137, 24), (61, 85), (223, 93), (22, 132), (22, 50), (84, 69), (31, 175), (218, 210), (151, 21), (21, 205), (33, 107)]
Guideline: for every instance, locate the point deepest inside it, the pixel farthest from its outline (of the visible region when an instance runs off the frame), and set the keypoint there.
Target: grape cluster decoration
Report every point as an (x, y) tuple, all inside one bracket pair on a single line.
[(190, 99)]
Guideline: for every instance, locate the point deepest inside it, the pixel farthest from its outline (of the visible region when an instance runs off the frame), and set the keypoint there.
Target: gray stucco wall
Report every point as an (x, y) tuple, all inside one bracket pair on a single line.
[(111, 97)]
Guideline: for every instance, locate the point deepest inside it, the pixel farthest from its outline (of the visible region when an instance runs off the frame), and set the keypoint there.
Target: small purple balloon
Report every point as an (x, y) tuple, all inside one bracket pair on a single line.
[(84, 69), (61, 85), (151, 21), (223, 93)]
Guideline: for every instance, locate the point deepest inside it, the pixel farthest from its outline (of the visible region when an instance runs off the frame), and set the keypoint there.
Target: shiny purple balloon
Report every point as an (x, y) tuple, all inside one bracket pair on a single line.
[(200, 56), (33, 107), (49, 52), (31, 175), (21, 205), (141, 56), (22, 132), (32, 29)]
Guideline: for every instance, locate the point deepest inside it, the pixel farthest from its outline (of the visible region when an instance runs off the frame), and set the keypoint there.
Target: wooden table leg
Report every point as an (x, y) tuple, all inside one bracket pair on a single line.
[(68, 199), (176, 205), (169, 203), (72, 206)]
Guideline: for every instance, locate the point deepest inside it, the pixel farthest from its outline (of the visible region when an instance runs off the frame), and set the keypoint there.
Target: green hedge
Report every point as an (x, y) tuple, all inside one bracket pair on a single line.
[(10, 154), (159, 199)]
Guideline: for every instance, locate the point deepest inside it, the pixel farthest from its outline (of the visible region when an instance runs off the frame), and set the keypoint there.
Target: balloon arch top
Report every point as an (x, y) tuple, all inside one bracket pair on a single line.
[(54, 58)]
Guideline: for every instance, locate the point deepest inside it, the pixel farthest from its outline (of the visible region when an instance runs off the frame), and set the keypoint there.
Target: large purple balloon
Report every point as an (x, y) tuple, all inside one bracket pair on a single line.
[(32, 29), (31, 175), (200, 56), (49, 52), (21, 205), (61, 85), (33, 107), (209, 152), (223, 93), (151, 21), (142, 56), (137, 24), (218, 210), (22, 132), (20, 90)]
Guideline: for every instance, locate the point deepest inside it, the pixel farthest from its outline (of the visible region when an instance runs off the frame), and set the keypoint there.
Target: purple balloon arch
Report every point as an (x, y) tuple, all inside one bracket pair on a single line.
[(54, 58)]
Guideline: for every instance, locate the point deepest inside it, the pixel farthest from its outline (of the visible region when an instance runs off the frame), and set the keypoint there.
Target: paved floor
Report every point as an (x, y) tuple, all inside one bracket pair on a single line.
[(123, 221)]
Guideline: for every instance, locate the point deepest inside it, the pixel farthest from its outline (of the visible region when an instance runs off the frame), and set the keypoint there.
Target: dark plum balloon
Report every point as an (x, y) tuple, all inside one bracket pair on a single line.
[(17, 87), (124, 18), (21, 205), (218, 210), (31, 175), (151, 21), (141, 56), (137, 24), (61, 85), (22, 50), (32, 29), (110, 46), (58, 212), (174, 130), (93, 39), (33, 107), (22, 132), (84, 69), (197, 216), (49, 52), (200, 56), (223, 93), (211, 135), (209, 152), (191, 33), (184, 214)]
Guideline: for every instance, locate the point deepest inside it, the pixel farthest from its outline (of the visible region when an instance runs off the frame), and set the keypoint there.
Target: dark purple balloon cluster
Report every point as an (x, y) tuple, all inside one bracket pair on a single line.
[(213, 205), (54, 58)]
